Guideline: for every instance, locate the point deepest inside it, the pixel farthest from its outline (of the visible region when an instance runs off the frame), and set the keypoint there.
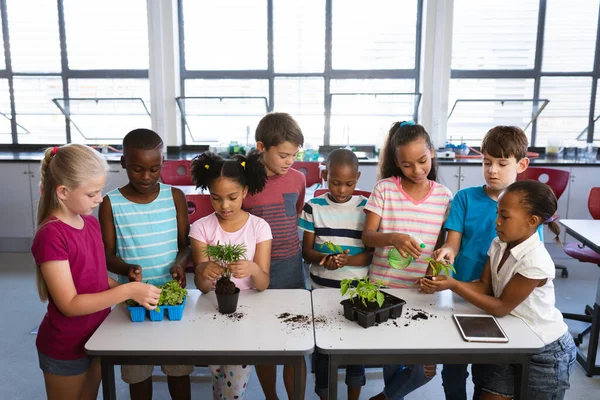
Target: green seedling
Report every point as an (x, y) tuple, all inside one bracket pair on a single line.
[(334, 248), (171, 295), (438, 267), (365, 290), (225, 254)]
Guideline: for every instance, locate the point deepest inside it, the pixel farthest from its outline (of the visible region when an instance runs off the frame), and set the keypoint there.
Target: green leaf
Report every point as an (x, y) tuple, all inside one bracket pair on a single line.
[(380, 298)]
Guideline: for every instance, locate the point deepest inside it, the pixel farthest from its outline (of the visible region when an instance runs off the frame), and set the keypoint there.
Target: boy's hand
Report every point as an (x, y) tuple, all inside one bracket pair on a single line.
[(328, 262), (243, 269), (438, 283), (178, 273), (444, 254), (144, 294), (341, 260), (135, 274), (212, 271)]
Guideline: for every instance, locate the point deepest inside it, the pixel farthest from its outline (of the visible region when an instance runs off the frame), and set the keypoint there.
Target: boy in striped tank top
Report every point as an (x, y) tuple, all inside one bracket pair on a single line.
[(145, 231), (405, 205)]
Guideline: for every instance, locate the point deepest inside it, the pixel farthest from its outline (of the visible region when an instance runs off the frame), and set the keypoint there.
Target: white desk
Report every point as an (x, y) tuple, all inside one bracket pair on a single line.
[(431, 341), (205, 337), (587, 231)]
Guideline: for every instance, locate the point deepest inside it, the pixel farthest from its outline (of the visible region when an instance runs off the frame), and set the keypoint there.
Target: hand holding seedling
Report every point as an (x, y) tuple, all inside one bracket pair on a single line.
[(243, 268), (144, 294), (135, 273), (438, 283), (213, 271), (406, 244), (444, 254), (335, 261), (178, 274)]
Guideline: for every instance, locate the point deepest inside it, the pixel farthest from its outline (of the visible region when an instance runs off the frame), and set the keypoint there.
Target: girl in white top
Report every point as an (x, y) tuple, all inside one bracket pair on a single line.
[(517, 279)]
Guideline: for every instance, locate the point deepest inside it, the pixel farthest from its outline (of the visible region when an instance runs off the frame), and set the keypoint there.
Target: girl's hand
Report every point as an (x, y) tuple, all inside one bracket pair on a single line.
[(422, 288), (406, 244), (243, 269), (135, 273), (444, 254), (144, 294), (437, 284), (178, 273), (212, 271)]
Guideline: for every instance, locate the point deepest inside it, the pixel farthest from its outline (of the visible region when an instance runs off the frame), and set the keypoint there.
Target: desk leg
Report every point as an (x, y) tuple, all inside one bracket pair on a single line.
[(298, 377), (108, 380), (522, 378), (590, 361), (333, 377)]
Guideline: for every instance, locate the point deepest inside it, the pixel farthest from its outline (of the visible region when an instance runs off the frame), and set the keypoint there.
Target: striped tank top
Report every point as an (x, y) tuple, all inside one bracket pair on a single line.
[(146, 234)]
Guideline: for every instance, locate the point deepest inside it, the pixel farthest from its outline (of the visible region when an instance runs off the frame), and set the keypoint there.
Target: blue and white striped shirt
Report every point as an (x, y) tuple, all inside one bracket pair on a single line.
[(146, 234)]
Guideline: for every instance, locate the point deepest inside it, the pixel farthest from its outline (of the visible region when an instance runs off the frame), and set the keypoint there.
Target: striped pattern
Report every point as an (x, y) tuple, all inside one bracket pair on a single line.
[(340, 223), (400, 214), (146, 234)]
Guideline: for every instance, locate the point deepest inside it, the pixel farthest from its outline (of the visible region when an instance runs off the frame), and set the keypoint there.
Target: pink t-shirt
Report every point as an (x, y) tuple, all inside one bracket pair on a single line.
[(61, 337), (255, 230)]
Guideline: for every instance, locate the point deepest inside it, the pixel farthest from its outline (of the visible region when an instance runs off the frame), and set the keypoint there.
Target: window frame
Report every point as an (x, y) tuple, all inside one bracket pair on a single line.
[(269, 74)]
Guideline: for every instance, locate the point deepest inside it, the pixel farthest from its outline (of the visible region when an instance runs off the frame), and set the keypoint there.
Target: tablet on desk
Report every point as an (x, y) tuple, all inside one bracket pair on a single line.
[(480, 328)]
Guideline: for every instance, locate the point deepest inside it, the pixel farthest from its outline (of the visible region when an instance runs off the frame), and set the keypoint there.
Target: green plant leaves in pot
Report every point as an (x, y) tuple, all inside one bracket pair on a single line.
[(396, 260)]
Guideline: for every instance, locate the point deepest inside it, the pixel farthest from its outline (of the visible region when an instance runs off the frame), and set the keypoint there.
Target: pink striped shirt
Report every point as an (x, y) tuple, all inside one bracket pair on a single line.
[(399, 213)]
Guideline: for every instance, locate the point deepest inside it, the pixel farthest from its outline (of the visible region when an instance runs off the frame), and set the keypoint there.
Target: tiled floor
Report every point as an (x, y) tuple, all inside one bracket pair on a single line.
[(21, 312)]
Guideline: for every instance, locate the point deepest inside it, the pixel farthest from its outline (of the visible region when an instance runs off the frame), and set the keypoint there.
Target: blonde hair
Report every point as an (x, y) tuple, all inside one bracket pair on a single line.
[(71, 165)]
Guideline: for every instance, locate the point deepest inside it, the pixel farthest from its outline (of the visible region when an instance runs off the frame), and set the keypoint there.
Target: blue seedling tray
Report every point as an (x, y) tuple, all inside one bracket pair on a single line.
[(138, 313)]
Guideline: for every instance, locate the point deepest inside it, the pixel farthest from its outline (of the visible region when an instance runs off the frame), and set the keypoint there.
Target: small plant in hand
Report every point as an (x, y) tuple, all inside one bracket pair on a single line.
[(171, 295), (439, 266), (366, 291), (225, 254), (334, 248)]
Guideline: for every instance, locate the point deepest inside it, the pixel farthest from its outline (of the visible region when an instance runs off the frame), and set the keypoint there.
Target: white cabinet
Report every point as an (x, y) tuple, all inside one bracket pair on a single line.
[(471, 175), (449, 176), (16, 215), (368, 177), (577, 193)]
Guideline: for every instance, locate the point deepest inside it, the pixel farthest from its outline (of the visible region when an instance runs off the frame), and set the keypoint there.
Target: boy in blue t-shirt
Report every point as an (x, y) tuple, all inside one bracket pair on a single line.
[(336, 217), (471, 225)]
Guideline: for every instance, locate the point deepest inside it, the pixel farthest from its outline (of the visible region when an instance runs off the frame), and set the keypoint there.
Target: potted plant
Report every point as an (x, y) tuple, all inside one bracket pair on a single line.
[(172, 301), (373, 305), (332, 247), (226, 291), (437, 267)]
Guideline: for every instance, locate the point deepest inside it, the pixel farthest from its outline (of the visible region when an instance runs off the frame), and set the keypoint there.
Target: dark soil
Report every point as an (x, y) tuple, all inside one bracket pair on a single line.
[(372, 305), (417, 314), (236, 316), (295, 321), (225, 286)]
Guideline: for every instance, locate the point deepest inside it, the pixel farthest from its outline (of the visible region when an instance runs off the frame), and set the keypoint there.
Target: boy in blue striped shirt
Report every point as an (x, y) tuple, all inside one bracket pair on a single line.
[(336, 217), (145, 231)]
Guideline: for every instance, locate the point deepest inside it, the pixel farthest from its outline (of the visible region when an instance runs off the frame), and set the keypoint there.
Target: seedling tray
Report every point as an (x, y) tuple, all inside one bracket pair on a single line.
[(138, 313), (356, 311)]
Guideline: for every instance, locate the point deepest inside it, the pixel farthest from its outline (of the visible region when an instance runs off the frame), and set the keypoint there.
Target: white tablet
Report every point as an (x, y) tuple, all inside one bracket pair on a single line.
[(480, 328)]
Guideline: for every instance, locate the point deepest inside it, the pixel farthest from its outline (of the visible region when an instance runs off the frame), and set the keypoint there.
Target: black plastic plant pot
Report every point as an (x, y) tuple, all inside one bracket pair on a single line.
[(369, 316), (228, 302), (430, 277)]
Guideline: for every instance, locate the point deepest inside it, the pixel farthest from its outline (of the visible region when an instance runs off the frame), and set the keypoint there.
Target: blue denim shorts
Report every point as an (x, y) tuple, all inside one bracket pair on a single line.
[(64, 367), (287, 273), (549, 372)]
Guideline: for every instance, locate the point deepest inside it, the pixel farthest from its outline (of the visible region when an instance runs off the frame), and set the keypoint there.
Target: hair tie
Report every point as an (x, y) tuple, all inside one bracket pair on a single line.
[(54, 150), (551, 219), (206, 166), (243, 164), (407, 123)]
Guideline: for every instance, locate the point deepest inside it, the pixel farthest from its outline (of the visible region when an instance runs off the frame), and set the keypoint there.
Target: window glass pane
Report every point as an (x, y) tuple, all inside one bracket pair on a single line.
[(225, 35), (2, 60), (5, 130), (221, 121), (303, 98), (568, 112), (108, 34), (102, 111), (380, 36), (40, 119), (34, 39), (493, 35), (299, 36), (470, 121), (367, 119), (569, 43)]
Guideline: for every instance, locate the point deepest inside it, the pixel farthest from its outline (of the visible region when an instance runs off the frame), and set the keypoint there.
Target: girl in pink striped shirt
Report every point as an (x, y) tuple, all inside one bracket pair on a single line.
[(406, 208)]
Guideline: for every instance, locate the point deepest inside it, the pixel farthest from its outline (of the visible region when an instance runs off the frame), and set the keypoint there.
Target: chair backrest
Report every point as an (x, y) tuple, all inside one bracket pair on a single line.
[(557, 179), (594, 202), (176, 172), (199, 206), (310, 170), (357, 192)]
